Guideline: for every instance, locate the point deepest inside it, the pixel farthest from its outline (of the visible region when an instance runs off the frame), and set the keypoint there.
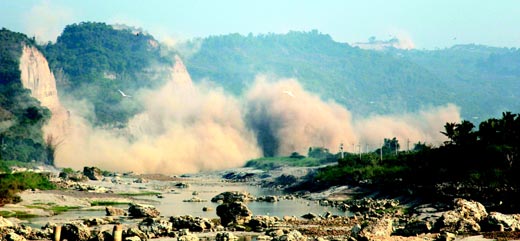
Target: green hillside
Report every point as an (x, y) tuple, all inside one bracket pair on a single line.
[(21, 116), (93, 61)]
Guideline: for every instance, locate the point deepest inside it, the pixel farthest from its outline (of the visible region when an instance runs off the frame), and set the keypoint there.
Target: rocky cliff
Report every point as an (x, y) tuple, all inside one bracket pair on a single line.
[(179, 74), (37, 77)]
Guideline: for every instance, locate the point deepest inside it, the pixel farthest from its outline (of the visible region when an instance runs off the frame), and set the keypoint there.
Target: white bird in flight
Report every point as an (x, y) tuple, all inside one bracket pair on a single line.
[(288, 92), (123, 93)]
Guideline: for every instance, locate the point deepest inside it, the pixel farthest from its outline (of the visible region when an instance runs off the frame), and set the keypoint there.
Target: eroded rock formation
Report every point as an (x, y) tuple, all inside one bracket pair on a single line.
[(37, 77)]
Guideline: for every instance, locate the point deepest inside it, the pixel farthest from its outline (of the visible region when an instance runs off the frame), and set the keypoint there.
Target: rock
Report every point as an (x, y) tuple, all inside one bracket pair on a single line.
[(263, 238), (230, 197), (471, 209), (93, 173), (226, 236), (233, 213), (134, 232), (94, 222), (287, 235), (195, 200), (289, 218), (140, 180), (379, 228), (113, 211), (309, 216), (14, 237), (76, 176), (185, 235), (496, 221), (205, 209), (23, 230), (355, 231), (101, 236), (195, 224), (270, 199), (75, 231), (416, 227), (5, 222), (446, 236), (133, 238), (464, 218), (142, 211), (260, 223), (182, 185), (156, 227)]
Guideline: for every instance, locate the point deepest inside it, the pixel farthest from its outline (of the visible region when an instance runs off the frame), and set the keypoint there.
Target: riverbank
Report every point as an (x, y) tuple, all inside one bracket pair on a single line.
[(80, 208)]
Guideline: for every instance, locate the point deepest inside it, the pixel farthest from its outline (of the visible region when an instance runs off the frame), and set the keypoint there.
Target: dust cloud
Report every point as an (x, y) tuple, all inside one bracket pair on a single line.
[(188, 127)]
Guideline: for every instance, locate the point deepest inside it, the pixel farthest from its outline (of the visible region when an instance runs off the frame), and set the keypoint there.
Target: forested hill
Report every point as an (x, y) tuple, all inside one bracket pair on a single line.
[(94, 60), (482, 80), (21, 116)]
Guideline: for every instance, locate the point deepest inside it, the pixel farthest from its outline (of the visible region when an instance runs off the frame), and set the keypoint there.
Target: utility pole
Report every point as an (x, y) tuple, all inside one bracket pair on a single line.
[(381, 152), (359, 150), (342, 154), (408, 145)]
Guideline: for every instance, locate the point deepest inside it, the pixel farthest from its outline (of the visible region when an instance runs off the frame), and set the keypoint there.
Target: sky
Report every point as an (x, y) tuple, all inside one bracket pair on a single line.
[(428, 24)]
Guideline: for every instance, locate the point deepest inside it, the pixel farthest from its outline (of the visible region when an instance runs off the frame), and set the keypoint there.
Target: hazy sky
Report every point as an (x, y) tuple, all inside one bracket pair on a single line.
[(429, 24)]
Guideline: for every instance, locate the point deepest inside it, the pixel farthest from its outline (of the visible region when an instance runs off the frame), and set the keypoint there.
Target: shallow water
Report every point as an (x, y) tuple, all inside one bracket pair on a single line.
[(172, 203)]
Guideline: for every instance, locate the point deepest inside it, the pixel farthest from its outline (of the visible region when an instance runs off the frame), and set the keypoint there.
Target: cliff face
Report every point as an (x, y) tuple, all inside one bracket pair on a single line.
[(179, 74), (37, 77)]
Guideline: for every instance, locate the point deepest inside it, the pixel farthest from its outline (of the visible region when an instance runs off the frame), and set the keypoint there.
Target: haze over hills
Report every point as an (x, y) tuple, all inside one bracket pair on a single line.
[(483, 81)]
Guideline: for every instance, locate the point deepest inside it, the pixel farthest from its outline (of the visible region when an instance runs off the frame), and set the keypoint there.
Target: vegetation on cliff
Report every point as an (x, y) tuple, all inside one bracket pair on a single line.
[(21, 116), (92, 61)]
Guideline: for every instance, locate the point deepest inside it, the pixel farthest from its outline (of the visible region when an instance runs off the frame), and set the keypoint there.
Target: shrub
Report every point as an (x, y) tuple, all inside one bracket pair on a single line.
[(11, 184)]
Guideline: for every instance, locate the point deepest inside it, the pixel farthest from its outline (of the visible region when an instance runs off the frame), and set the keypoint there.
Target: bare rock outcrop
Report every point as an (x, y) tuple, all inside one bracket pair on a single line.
[(93, 173), (113, 211), (75, 231), (235, 196), (37, 77), (233, 213), (142, 211), (465, 217)]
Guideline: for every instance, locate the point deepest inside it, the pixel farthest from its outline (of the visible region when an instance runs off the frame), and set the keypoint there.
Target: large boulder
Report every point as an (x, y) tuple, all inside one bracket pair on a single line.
[(74, 176), (101, 235), (260, 223), (5, 222), (142, 211), (156, 227), (134, 233), (465, 217), (496, 221), (195, 224), (185, 235), (286, 235), (226, 236), (14, 237), (75, 231), (379, 228), (230, 197), (233, 213), (113, 211), (93, 173)]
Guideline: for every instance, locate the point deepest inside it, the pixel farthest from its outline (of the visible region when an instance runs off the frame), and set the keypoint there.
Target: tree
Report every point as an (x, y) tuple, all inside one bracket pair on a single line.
[(460, 134)]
